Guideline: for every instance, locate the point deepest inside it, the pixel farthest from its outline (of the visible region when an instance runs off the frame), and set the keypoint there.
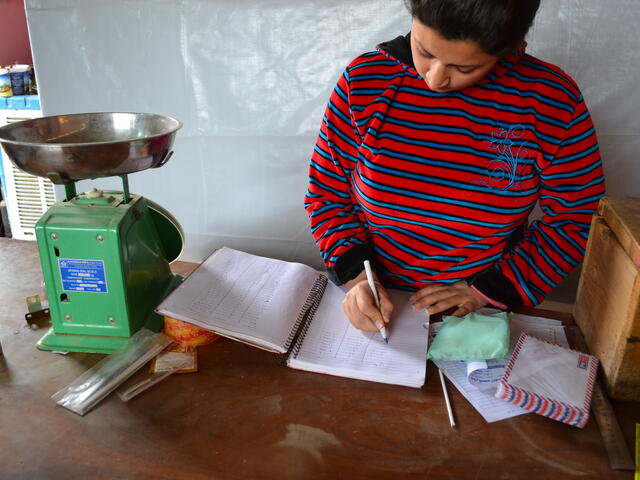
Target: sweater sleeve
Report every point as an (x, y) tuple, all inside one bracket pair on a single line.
[(571, 185), (335, 225)]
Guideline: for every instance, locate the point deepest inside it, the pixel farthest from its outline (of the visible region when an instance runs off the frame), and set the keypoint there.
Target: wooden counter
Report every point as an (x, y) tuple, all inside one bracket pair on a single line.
[(244, 417)]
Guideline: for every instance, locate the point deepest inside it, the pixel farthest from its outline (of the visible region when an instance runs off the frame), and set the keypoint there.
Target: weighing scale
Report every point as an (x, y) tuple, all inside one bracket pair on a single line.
[(105, 254)]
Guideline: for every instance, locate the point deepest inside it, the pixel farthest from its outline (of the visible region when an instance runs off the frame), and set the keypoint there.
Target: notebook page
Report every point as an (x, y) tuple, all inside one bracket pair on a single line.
[(332, 345), (243, 296)]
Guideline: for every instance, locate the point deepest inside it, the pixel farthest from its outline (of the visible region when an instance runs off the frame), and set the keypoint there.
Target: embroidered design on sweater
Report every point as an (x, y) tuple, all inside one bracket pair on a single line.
[(502, 170)]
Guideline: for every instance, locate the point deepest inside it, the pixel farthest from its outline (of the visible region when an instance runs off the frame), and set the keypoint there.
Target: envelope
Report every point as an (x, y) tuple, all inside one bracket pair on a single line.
[(549, 380)]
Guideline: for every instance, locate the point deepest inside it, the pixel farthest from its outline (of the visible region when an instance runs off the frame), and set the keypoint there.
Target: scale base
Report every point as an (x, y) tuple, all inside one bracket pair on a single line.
[(80, 343), (67, 342)]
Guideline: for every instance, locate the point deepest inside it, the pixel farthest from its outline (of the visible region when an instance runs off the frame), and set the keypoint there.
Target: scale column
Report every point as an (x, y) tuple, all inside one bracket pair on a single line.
[(70, 190), (125, 188)]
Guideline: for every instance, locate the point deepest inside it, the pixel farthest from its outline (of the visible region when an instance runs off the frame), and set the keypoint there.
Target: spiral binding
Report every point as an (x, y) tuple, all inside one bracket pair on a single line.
[(299, 330)]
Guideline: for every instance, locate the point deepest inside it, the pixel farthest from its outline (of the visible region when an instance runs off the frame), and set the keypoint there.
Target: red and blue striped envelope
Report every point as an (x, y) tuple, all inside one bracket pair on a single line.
[(549, 380)]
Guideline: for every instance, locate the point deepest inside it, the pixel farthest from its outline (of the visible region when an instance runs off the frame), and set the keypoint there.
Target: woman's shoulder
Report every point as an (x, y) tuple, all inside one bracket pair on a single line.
[(373, 62), (548, 74)]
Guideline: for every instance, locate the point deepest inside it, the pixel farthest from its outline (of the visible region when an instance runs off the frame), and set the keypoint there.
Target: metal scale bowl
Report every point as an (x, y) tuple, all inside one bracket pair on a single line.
[(105, 254)]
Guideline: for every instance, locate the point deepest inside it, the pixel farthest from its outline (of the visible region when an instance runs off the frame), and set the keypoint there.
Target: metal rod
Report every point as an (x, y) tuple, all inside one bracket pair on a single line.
[(69, 190), (125, 188)]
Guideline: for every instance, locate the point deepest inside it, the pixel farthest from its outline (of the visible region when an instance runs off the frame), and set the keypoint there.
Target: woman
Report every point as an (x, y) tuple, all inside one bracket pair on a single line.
[(433, 152)]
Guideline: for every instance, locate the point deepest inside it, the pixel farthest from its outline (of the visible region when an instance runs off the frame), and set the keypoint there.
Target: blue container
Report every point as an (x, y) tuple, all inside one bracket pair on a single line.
[(17, 73)]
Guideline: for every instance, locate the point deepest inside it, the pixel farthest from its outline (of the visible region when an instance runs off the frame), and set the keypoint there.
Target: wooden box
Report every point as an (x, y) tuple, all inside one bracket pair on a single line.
[(607, 307)]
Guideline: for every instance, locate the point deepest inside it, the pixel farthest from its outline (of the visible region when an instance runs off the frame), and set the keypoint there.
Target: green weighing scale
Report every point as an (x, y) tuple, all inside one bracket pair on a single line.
[(105, 254)]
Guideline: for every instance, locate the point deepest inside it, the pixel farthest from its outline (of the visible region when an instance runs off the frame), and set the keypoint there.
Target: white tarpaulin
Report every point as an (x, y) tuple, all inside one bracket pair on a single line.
[(250, 80)]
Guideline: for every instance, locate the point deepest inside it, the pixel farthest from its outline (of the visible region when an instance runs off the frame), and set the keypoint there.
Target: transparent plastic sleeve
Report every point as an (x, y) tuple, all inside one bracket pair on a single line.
[(106, 375), (149, 381)]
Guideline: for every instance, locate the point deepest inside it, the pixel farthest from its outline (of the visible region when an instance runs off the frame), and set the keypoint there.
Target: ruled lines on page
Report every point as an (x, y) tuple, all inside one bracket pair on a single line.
[(254, 297), (332, 345)]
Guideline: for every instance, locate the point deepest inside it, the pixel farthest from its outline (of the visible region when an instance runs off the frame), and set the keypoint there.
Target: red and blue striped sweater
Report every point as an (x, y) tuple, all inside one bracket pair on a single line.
[(435, 188)]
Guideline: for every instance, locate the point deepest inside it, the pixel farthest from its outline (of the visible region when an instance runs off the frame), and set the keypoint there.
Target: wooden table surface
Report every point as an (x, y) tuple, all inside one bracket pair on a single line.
[(242, 416)]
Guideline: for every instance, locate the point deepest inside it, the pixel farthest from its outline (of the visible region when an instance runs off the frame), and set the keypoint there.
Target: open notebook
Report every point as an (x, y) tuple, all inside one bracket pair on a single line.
[(292, 309)]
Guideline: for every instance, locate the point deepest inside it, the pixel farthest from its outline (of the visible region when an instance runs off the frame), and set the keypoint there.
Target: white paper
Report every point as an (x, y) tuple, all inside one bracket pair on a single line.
[(481, 395), (245, 296), (483, 401), (333, 346), (486, 374)]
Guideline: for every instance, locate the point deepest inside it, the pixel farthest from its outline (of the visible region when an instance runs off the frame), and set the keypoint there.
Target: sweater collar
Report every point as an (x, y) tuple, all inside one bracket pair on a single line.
[(399, 49)]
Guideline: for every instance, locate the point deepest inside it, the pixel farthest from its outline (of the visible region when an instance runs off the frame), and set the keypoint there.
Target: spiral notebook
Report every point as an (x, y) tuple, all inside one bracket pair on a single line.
[(293, 310)]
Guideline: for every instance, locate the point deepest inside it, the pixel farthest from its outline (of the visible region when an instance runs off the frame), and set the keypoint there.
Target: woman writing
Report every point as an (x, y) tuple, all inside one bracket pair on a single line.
[(434, 150)]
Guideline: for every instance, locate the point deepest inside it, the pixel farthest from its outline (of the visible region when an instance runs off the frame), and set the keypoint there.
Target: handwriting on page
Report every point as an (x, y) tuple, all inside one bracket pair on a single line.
[(332, 340), (245, 296), (347, 346), (237, 306)]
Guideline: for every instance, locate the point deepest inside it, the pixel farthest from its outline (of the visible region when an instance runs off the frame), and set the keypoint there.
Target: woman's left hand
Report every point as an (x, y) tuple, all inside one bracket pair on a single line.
[(438, 298)]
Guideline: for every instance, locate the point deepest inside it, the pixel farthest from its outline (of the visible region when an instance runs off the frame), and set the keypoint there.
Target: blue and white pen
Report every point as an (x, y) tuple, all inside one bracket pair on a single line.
[(372, 285)]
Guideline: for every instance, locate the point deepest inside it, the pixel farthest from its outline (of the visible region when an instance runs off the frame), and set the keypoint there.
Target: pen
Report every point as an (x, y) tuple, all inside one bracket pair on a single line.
[(372, 285), (446, 399)]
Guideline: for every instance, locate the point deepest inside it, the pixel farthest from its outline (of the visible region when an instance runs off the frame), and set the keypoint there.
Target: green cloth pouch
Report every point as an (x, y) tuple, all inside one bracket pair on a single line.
[(472, 337)]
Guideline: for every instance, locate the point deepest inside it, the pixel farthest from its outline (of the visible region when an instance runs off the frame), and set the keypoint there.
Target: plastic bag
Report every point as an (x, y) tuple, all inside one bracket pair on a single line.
[(106, 375)]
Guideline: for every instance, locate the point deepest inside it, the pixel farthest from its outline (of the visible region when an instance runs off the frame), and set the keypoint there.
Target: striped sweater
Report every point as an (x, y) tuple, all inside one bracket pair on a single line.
[(436, 188)]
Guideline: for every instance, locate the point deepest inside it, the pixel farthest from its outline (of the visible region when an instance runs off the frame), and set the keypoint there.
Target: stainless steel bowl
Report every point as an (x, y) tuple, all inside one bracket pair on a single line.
[(67, 148)]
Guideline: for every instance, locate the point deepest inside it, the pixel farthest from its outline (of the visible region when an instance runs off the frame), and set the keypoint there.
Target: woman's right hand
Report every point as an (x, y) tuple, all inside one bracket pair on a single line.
[(360, 307)]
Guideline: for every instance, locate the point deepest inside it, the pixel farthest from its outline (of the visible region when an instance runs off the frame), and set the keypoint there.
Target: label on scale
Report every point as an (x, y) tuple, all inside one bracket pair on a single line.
[(82, 275)]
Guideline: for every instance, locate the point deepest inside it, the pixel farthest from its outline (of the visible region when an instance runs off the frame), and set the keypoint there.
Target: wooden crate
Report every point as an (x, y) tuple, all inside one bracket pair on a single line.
[(607, 305)]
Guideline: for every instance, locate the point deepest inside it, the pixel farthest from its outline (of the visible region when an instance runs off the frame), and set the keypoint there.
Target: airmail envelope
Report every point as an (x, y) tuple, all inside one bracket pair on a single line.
[(549, 380)]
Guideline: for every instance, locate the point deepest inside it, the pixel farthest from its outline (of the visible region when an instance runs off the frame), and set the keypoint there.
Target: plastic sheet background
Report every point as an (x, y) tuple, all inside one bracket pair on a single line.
[(250, 80)]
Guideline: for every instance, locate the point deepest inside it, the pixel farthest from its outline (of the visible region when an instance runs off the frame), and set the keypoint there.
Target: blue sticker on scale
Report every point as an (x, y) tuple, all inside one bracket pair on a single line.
[(82, 275)]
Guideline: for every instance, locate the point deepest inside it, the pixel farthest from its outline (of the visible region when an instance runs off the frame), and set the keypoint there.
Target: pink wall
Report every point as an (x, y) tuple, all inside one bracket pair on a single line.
[(14, 36)]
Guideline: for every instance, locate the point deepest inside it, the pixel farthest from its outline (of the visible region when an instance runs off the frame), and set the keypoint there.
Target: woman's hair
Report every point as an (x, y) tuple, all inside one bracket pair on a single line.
[(497, 26)]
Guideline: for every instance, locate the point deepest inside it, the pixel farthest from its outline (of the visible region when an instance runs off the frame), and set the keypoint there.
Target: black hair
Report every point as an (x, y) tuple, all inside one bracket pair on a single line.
[(497, 26)]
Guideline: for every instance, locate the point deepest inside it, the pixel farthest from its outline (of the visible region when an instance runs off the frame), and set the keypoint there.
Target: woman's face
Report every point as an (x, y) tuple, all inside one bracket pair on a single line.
[(447, 65)]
